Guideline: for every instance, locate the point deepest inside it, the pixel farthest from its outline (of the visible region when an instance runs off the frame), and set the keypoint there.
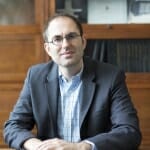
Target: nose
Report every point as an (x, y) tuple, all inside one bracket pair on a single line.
[(65, 42)]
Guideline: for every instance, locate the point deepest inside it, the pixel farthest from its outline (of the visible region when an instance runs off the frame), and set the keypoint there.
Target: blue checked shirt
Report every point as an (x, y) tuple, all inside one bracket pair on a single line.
[(69, 109)]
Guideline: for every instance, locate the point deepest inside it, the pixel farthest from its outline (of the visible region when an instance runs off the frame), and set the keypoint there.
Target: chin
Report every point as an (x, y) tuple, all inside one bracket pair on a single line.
[(69, 64)]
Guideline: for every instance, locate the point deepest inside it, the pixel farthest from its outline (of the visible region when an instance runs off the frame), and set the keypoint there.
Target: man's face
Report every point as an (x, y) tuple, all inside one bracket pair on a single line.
[(69, 52)]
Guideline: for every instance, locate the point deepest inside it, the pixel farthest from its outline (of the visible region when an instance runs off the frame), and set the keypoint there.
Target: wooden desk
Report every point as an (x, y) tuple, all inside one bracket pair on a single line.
[(142, 148), (6, 149), (14, 149)]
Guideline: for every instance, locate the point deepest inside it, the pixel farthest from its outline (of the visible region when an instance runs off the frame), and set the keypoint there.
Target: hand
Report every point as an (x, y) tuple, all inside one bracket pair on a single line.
[(32, 144), (58, 144)]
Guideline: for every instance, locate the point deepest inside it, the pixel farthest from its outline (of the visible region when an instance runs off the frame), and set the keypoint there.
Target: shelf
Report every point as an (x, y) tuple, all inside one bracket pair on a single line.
[(20, 29), (117, 31)]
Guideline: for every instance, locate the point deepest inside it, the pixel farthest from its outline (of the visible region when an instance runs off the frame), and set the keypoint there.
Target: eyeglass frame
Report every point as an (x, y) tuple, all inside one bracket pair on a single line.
[(69, 37)]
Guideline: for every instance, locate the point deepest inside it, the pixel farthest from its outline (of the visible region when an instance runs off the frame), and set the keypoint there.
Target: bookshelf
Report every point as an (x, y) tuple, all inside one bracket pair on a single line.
[(104, 30), (117, 31)]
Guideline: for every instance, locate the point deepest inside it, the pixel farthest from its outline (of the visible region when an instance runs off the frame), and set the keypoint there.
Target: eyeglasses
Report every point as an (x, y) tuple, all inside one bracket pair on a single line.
[(58, 40)]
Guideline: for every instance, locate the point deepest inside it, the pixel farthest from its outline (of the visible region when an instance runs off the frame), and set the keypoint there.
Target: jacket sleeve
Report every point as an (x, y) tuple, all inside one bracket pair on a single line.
[(20, 123), (124, 132)]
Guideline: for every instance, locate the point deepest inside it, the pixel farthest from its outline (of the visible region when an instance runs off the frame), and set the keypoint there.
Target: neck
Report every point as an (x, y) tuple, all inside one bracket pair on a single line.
[(70, 71)]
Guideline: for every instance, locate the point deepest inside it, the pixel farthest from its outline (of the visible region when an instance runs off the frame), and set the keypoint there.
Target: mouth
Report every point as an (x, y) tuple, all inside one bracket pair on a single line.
[(67, 53)]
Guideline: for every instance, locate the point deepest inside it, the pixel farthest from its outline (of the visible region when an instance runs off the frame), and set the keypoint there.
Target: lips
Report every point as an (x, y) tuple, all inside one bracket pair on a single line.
[(67, 53)]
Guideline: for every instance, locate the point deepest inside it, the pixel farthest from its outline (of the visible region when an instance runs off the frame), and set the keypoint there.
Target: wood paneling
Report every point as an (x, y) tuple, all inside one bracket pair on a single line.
[(20, 47), (139, 88), (9, 93), (18, 52)]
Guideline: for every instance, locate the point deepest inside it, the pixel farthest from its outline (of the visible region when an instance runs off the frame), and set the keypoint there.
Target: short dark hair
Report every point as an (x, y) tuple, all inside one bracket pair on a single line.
[(76, 21)]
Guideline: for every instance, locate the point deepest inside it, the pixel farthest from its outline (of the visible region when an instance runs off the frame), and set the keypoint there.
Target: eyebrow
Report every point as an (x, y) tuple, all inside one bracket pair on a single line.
[(57, 35), (66, 34)]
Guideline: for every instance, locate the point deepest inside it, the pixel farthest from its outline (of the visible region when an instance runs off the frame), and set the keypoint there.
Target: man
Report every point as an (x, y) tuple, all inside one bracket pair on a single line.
[(75, 102)]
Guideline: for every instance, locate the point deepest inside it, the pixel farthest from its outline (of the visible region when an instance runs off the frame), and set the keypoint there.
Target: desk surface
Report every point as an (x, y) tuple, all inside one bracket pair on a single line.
[(142, 148), (6, 149), (147, 148)]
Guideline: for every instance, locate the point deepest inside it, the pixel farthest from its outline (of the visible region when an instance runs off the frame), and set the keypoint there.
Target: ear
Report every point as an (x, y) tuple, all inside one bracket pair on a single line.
[(46, 47), (84, 41)]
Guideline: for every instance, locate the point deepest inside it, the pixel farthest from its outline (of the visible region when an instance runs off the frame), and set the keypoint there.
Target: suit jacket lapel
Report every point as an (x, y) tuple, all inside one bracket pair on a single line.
[(53, 94), (87, 91)]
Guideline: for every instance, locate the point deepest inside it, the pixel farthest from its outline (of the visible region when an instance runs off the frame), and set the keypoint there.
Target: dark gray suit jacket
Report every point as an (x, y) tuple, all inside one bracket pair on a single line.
[(107, 118)]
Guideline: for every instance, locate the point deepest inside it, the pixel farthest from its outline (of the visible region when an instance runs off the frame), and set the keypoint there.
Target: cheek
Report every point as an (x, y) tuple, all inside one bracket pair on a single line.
[(53, 53), (49, 52)]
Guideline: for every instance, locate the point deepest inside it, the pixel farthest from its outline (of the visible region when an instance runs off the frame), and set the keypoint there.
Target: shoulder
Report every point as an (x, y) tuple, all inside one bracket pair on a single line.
[(103, 70), (41, 66), (41, 70), (99, 67)]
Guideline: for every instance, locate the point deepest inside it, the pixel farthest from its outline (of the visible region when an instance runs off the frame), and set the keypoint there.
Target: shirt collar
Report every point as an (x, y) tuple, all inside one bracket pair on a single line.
[(75, 77)]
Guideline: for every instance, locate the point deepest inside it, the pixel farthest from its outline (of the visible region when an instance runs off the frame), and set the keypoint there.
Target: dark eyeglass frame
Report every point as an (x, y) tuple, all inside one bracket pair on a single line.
[(58, 40)]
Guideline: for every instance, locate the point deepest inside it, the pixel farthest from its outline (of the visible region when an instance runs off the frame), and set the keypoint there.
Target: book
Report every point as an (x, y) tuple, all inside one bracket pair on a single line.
[(131, 55)]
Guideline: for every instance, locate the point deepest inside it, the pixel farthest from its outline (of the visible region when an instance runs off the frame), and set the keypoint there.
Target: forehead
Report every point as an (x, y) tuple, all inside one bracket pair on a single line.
[(61, 26)]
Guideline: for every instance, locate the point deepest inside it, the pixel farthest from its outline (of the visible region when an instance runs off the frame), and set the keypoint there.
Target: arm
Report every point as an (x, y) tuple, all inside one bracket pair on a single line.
[(18, 128), (118, 111)]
